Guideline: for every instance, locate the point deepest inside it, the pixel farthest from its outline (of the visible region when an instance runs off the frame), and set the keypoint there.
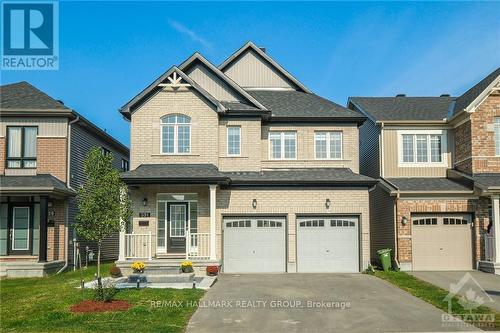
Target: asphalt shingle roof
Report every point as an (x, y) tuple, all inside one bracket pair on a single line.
[(296, 104), (428, 184), (206, 173), (405, 108), (470, 95), (237, 106), (487, 180), (42, 181), (23, 95), (317, 176)]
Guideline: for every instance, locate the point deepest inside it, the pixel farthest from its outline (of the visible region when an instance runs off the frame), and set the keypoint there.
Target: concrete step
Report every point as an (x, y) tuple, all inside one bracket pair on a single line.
[(171, 278), (162, 270)]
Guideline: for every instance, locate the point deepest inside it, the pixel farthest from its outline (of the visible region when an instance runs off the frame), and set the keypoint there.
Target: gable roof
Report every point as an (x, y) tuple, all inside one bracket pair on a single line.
[(251, 46), (197, 57), (403, 108), (293, 105), (466, 99), (128, 108), (24, 96)]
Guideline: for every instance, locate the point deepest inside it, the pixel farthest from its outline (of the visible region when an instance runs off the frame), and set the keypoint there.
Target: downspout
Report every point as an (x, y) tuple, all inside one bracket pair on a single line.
[(68, 184), (396, 239), (381, 151)]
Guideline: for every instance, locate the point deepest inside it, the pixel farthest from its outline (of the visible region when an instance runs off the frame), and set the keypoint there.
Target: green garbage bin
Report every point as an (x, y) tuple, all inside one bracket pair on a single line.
[(385, 258)]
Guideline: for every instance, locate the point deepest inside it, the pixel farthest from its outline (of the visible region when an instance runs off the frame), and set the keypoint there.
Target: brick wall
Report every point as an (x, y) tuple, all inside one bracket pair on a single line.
[(51, 157), (479, 209), (3, 153), (56, 233), (463, 148)]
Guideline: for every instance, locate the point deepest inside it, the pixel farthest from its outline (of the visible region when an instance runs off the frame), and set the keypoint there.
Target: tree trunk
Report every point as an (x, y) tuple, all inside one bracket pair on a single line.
[(99, 260)]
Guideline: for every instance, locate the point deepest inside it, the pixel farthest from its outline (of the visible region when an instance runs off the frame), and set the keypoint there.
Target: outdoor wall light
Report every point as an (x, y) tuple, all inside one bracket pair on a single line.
[(327, 203), (145, 201), (254, 203), (404, 220)]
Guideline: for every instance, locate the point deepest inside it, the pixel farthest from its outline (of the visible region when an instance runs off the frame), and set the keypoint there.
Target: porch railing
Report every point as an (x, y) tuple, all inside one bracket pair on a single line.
[(198, 246), (488, 247), (138, 246)]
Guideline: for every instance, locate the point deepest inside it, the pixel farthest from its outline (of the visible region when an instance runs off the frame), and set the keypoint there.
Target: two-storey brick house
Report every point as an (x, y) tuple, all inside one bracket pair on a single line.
[(242, 165), (43, 144), (438, 160)]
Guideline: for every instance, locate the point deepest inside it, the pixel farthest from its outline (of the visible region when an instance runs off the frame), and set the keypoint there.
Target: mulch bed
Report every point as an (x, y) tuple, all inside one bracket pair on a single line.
[(95, 306)]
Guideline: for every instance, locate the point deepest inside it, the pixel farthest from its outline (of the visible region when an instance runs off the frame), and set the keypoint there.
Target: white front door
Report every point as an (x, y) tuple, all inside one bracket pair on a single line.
[(327, 244), (254, 245)]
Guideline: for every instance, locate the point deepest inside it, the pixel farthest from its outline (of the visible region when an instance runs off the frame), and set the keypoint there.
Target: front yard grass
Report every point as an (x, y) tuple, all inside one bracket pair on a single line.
[(42, 305), (432, 294)]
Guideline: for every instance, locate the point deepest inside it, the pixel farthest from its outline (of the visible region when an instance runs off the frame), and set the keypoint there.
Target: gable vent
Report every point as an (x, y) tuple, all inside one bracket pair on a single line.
[(401, 95)]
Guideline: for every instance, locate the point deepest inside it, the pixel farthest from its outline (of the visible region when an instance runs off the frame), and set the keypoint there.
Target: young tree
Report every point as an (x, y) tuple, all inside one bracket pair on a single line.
[(103, 203)]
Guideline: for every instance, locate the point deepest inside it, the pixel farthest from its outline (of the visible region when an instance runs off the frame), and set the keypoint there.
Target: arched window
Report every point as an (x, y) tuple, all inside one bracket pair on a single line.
[(175, 134)]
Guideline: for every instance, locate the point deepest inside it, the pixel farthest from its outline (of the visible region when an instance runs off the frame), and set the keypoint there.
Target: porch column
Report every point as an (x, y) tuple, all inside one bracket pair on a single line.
[(44, 214), (213, 190), (496, 227)]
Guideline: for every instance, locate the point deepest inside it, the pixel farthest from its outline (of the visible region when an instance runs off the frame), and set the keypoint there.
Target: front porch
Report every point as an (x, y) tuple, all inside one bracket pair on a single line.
[(490, 240)]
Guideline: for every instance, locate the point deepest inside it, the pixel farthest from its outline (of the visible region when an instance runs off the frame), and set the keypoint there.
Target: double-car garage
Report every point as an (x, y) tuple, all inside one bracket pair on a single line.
[(260, 244)]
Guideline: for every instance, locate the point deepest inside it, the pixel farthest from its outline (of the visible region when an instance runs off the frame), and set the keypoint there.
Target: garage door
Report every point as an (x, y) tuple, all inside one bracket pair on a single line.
[(254, 245), (441, 242), (327, 244)]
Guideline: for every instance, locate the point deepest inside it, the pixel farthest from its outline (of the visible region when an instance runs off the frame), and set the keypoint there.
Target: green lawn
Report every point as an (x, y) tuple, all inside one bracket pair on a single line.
[(42, 305), (431, 294)]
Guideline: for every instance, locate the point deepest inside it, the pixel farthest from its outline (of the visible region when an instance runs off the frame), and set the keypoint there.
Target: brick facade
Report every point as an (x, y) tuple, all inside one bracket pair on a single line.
[(51, 157), (56, 232)]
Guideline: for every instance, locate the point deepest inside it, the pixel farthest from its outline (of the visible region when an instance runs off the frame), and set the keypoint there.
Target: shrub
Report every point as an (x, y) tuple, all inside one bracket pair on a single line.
[(212, 270), (105, 292), (187, 267), (115, 272), (369, 270)]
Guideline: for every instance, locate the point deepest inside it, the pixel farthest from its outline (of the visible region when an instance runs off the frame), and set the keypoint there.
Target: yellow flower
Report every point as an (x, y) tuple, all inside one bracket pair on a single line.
[(138, 266), (187, 264)]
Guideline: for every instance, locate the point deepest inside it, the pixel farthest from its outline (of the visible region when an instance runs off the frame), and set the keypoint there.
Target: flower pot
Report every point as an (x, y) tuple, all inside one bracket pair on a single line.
[(187, 269)]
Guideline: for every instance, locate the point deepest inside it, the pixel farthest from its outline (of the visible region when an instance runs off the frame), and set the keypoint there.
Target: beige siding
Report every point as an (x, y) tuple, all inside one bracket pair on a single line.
[(250, 70), (146, 132), (249, 159), (50, 127), (391, 156), (382, 231), (369, 154), (212, 84), (305, 147)]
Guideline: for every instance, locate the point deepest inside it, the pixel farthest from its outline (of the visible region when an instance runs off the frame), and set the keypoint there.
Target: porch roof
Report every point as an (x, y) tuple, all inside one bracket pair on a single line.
[(487, 181), (209, 174), (428, 184), (39, 184), (175, 174)]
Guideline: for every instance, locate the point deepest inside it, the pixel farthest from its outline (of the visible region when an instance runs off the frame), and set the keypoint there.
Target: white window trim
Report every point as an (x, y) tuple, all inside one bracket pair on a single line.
[(176, 136), (227, 140), (444, 149), (328, 152), (186, 223), (282, 140)]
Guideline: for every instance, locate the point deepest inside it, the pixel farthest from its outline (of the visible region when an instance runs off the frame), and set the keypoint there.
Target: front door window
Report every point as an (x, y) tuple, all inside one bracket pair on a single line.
[(177, 220), (20, 228)]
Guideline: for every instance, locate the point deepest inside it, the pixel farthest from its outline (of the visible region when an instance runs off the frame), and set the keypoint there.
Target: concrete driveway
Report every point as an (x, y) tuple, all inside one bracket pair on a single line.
[(312, 303), (489, 282)]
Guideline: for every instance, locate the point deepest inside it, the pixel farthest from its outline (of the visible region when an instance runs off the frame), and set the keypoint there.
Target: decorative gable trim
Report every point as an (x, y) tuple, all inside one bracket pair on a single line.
[(173, 79), (251, 46), (198, 57)]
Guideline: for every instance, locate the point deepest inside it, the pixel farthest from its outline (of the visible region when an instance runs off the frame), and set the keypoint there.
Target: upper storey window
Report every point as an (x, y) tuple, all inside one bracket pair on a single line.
[(422, 148), (233, 140), (175, 134), (21, 146), (283, 145), (497, 136), (328, 145)]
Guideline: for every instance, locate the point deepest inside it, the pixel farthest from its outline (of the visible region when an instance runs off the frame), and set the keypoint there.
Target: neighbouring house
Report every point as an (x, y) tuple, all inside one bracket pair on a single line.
[(242, 165), (43, 145), (438, 160)]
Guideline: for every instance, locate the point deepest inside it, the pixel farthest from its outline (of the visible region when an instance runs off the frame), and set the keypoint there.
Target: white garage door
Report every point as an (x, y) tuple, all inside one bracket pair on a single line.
[(441, 242), (254, 245), (327, 244)]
